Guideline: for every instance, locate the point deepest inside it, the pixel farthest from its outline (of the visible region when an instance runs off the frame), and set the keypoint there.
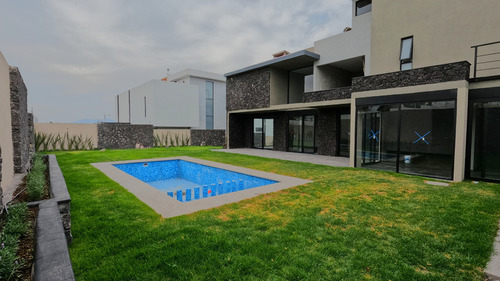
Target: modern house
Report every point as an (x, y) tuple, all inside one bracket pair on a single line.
[(190, 99), (413, 87)]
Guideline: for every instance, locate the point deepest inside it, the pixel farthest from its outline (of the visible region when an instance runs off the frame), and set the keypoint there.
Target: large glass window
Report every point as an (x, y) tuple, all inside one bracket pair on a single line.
[(412, 138), (406, 56), (377, 137), (263, 133), (345, 135), (209, 104), (258, 131), (363, 7), (301, 134), (427, 138), (485, 140), (295, 134)]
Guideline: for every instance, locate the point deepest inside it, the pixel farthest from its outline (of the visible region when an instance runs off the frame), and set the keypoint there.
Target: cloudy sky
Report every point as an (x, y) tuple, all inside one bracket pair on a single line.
[(75, 56)]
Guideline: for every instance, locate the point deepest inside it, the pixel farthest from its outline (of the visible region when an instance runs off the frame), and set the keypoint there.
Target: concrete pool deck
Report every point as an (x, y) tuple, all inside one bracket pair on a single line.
[(168, 207)]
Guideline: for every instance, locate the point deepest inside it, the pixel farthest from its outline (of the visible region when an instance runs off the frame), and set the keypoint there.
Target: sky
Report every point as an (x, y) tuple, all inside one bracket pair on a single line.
[(76, 56)]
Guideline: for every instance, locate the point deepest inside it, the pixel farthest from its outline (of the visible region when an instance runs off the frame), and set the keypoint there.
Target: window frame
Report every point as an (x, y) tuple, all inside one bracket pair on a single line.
[(407, 60), (209, 97)]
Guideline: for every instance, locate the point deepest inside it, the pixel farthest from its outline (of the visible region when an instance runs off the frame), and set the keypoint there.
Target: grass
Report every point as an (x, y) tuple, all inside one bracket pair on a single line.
[(350, 224)]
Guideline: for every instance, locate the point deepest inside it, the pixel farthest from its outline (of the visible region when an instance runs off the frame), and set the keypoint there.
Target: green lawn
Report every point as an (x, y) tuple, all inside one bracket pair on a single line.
[(350, 224)]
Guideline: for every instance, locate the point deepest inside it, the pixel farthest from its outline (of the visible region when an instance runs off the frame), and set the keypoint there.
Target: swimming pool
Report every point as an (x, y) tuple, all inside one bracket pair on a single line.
[(168, 206), (187, 181)]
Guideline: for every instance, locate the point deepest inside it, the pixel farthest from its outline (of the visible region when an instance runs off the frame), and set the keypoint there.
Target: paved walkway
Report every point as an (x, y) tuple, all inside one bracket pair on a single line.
[(292, 156)]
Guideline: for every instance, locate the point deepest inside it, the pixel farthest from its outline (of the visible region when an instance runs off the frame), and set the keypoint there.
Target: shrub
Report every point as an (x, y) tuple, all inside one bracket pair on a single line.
[(35, 182), (15, 226)]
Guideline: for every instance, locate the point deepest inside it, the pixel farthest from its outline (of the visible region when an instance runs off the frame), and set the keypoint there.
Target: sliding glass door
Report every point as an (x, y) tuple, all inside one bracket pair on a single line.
[(414, 137), (301, 134), (263, 133), (485, 140)]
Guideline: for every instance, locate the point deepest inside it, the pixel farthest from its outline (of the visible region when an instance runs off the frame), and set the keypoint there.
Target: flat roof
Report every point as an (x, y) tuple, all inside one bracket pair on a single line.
[(189, 72), (293, 61)]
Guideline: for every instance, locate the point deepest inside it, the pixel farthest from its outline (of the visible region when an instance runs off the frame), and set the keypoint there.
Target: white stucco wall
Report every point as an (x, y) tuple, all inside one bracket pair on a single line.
[(219, 102), (167, 105), (175, 105), (5, 124), (178, 102)]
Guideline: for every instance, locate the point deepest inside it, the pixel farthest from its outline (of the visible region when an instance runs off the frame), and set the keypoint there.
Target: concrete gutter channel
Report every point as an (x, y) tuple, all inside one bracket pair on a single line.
[(53, 233)]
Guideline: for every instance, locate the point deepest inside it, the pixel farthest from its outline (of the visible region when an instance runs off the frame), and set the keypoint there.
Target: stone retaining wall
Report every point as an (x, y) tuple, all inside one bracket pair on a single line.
[(208, 137), (123, 136), (20, 121), (53, 229)]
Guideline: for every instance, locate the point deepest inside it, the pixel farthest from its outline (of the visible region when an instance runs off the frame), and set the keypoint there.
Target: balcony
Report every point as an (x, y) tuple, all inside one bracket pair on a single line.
[(486, 61)]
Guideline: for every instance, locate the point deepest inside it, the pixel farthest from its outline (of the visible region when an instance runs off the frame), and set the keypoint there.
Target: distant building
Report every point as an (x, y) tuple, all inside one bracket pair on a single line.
[(190, 99), (413, 87)]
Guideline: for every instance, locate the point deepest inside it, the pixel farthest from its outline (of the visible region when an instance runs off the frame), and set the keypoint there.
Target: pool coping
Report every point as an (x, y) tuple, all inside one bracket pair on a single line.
[(169, 207)]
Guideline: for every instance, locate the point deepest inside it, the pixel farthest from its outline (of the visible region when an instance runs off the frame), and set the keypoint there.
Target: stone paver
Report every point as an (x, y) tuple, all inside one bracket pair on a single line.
[(291, 156)]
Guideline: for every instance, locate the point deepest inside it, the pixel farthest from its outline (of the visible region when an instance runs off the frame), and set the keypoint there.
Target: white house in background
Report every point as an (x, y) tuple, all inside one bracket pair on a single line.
[(212, 96), (188, 99)]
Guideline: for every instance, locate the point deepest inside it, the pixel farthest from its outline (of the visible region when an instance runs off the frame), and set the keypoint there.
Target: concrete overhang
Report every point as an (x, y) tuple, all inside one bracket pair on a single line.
[(296, 106), (293, 61)]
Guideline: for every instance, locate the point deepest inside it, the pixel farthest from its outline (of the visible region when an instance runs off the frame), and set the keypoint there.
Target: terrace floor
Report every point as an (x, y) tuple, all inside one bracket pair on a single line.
[(291, 156)]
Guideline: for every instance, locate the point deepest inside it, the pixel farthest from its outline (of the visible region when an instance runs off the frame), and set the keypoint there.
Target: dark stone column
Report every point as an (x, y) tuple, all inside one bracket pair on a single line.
[(20, 121), (31, 134), (236, 131), (326, 132), (280, 131)]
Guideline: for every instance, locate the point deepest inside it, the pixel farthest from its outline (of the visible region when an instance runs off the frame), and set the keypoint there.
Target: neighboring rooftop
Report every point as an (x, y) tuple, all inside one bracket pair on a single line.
[(292, 61), (188, 72)]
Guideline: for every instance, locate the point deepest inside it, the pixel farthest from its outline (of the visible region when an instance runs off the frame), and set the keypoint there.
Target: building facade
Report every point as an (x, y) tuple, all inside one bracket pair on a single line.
[(190, 99), (413, 87)]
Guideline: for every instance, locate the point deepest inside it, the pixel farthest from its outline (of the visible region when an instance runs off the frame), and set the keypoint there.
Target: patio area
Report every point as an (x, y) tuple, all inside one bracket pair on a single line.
[(291, 156)]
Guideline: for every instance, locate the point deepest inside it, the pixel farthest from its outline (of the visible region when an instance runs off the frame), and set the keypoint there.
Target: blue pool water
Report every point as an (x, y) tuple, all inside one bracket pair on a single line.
[(187, 181)]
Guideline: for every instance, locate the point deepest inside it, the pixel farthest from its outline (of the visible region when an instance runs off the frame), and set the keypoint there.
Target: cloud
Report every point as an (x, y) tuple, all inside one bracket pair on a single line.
[(89, 49)]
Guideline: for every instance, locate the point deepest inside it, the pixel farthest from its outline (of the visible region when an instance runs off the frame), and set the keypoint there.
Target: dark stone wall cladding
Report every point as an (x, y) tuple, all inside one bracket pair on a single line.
[(333, 94), (21, 125), (31, 135), (326, 132), (123, 136), (248, 90), (280, 142), (208, 137), (419, 76), (240, 131)]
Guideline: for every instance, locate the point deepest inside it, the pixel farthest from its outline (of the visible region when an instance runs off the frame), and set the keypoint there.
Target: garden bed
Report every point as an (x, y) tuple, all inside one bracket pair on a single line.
[(42, 249)]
